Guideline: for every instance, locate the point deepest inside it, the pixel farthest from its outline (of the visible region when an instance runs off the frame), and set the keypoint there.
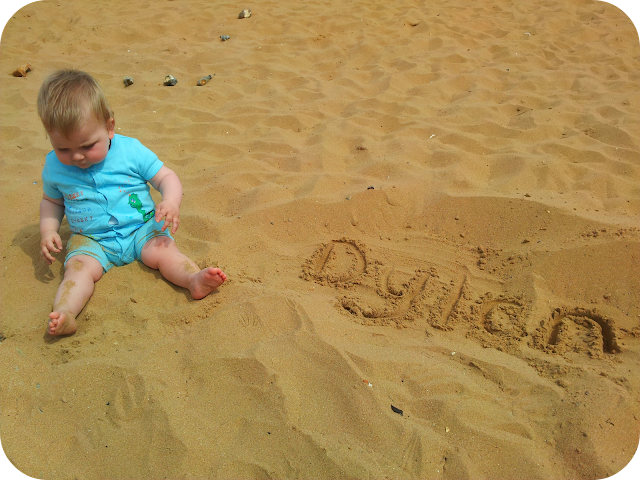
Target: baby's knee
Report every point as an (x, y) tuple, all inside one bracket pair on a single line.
[(83, 264), (74, 264)]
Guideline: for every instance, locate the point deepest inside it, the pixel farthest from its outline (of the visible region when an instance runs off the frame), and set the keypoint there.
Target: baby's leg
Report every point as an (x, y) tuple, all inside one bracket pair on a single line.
[(81, 272), (161, 253)]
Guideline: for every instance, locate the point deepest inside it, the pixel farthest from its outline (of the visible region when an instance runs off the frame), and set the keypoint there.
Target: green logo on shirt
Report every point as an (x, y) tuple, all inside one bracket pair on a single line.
[(134, 202)]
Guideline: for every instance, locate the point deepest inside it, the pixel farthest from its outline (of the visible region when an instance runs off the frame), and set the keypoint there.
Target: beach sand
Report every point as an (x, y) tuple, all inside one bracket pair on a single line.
[(428, 213)]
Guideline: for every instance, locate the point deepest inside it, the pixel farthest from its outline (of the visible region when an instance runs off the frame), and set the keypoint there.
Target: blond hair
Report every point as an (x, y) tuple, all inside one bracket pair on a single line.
[(66, 96)]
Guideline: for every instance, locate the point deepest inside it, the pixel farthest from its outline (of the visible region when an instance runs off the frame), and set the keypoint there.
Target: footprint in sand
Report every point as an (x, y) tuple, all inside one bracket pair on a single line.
[(577, 330)]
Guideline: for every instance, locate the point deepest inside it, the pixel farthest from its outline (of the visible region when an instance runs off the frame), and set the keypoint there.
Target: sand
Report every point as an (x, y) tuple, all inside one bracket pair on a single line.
[(428, 213)]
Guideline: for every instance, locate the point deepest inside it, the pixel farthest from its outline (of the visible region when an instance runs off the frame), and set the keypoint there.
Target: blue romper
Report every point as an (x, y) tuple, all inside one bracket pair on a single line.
[(108, 205)]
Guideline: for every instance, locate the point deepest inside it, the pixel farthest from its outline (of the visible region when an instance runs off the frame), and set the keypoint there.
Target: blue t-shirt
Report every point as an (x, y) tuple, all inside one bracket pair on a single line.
[(110, 198)]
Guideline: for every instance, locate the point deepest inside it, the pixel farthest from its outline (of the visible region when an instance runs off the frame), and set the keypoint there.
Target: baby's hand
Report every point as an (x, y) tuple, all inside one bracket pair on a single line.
[(171, 214), (50, 242)]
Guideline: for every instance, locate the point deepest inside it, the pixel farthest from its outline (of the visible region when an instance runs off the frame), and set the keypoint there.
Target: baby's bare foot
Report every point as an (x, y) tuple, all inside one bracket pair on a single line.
[(206, 281), (61, 323)]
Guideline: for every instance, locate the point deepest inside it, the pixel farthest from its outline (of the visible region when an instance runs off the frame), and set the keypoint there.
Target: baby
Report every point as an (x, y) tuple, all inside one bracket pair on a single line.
[(98, 179)]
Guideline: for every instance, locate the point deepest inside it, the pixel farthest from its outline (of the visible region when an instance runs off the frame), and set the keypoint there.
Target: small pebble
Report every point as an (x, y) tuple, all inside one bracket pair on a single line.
[(170, 81), (22, 71), (127, 81), (204, 80), (224, 38), (244, 14)]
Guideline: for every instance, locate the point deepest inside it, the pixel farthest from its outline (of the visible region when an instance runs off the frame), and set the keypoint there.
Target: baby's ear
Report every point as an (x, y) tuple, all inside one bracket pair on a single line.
[(111, 126)]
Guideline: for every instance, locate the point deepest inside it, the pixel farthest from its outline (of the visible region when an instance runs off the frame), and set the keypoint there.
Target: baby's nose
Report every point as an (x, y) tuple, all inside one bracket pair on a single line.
[(78, 157)]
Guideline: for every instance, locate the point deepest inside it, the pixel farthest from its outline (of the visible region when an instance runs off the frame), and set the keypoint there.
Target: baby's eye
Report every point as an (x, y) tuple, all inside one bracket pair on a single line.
[(89, 147)]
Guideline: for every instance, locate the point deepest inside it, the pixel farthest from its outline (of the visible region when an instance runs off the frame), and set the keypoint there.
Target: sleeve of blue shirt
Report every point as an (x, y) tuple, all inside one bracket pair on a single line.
[(49, 189), (148, 163)]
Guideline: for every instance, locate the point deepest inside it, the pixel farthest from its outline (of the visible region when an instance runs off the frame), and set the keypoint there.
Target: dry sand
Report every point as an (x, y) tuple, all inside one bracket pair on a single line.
[(428, 212)]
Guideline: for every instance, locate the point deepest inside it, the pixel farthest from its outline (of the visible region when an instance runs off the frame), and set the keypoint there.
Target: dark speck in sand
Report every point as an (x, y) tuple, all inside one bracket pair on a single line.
[(224, 38)]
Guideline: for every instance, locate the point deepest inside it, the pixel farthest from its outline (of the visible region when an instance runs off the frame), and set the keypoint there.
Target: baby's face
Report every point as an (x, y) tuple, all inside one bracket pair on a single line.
[(86, 146)]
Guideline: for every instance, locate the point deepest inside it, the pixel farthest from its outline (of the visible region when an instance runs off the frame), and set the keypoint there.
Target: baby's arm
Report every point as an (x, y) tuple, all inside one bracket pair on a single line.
[(51, 213), (168, 184)]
